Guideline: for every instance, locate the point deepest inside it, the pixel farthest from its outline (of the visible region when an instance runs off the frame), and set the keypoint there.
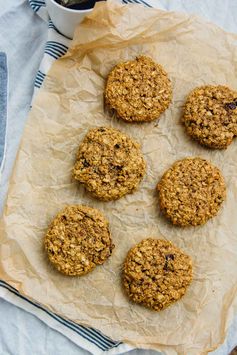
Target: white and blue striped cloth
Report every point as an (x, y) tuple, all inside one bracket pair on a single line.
[(88, 338)]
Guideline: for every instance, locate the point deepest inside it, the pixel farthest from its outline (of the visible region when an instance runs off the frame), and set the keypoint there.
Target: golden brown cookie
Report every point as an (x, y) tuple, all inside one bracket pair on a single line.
[(78, 240), (156, 273), (210, 115), (138, 90), (191, 192), (109, 163)]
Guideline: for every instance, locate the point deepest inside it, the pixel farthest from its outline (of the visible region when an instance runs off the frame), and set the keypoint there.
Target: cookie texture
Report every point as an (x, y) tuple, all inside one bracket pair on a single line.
[(210, 115), (191, 192), (138, 90), (156, 273), (78, 240), (109, 163)]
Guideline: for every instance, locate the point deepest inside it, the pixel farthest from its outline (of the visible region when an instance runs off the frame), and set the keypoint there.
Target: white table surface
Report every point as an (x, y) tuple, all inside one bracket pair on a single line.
[(22, 37)]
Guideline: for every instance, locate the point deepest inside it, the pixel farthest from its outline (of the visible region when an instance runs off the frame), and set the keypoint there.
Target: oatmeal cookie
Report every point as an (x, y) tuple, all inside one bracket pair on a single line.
[(109, 163), (138, 90), (210, 115), (191, 192), (78, 240), (156, 273)]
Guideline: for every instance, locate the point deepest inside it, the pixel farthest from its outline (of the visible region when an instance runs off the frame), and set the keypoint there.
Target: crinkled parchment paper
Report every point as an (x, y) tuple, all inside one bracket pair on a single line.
[(71, 101)]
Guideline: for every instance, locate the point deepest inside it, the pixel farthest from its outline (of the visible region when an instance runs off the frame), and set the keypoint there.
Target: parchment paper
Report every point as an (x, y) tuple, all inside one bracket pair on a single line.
[(194, 53)]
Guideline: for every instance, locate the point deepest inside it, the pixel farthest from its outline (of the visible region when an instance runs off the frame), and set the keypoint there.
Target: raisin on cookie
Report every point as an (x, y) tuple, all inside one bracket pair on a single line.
[(210, 115), (191, 192), (78, 240), (109, 163), (156, 273), (138, 90)]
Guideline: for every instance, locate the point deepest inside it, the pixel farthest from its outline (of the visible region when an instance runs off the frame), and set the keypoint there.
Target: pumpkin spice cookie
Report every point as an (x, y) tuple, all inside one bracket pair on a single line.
[(191, 192), (138, 90), (109, 163), (210, 115), (156, 273), (78, 240)]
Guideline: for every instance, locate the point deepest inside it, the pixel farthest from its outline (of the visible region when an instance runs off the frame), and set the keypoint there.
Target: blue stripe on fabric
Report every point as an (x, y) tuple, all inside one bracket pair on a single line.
[(55, 50), (58, 44), (36, 5), (135, 1), (41, 74), (145, 3), (36, 8), (111, 343), (86, 333), (36, 86), (38, 83), (39, 80), (37, 2), (141, 2), (51, 54), (51, 26)]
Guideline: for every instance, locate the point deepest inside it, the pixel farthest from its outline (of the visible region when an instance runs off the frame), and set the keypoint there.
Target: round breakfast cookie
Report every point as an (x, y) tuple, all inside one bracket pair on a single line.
[(156, 273), (78, 240), (109, 163), (138, 90), (191, 192), (210, 115)]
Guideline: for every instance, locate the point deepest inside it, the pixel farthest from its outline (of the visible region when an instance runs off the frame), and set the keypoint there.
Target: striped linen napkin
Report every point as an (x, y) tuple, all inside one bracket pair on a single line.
[(87, 338)]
